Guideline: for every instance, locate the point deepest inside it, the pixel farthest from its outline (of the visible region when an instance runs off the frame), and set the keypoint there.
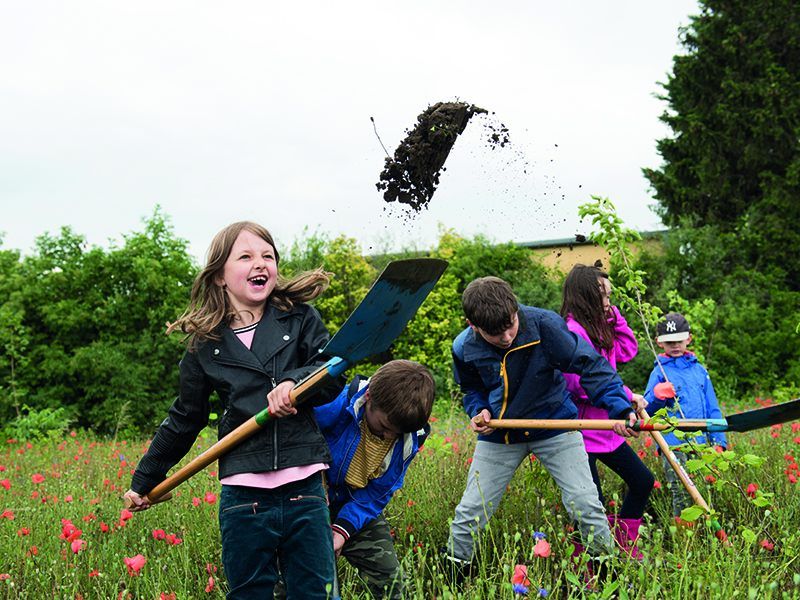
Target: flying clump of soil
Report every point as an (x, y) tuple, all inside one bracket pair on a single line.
[(412, 174)]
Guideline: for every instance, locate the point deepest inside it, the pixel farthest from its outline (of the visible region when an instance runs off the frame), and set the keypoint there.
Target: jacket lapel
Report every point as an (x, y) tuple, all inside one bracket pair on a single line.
[(271, 336), (234, 351)]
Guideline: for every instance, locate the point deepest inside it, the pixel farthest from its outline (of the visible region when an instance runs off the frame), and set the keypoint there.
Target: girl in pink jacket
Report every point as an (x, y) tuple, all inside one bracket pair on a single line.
[(589, 313)]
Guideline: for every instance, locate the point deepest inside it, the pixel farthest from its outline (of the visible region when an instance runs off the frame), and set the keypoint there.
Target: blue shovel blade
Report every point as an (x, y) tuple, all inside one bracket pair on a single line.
[(387, 308)]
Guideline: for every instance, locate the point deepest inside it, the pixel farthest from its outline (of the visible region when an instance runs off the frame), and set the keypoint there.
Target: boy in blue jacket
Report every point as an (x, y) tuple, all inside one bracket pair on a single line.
[(374, 429), (691, 384), (508, 362)]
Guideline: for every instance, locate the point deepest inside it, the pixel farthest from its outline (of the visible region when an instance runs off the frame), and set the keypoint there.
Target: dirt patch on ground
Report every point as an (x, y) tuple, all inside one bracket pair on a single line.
[(412, 174)]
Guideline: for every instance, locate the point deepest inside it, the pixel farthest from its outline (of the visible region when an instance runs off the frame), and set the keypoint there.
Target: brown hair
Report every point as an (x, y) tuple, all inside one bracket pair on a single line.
[(404, 391), (583, 300), (209, 306), (489, 303)]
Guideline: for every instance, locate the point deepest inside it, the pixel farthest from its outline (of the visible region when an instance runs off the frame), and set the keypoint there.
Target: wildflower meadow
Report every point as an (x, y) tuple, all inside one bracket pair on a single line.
[(65, 534)]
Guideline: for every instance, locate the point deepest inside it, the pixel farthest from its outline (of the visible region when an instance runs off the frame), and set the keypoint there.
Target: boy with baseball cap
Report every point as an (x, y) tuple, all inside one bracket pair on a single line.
[(678, 375)]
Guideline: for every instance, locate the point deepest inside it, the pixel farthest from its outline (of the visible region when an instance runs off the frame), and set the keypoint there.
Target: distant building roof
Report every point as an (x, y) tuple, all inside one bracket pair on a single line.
[(580, 240)]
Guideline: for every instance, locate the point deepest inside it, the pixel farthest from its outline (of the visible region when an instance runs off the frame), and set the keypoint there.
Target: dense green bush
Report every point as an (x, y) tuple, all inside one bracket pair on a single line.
[(83, 328)]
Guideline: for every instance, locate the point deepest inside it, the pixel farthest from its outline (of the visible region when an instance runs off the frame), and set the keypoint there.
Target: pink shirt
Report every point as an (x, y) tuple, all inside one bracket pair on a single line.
[(268, 479), (625, 348)]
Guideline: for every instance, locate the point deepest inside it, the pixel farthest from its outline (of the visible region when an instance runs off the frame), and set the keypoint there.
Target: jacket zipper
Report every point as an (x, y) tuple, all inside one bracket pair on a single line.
[(504, 376), (275, 427)]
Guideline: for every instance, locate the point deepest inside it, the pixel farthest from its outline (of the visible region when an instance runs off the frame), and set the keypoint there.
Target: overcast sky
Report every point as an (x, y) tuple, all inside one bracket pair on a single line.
[(221, 111)]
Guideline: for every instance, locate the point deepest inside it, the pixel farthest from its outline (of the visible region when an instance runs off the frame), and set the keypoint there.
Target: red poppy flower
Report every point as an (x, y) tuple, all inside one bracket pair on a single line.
[(210, 497), (7, 514), (210, 585), (6, 483), (23, 531), (68, 530), (520, 576), (94, 573), (134, 564), (37, 478), (77, 545), (170, 596), (657, 485), (159, 534), (542, 548), (125, 514), (196, 501), (172, 539), (751, 490), (767, 545)]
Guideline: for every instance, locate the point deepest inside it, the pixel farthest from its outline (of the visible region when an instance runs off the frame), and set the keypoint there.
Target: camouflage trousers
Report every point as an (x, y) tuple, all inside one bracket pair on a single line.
[(680, 497), (371, 552)]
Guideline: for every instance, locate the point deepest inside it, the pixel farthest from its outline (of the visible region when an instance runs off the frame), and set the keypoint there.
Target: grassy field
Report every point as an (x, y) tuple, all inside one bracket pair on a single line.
[(64, 533)]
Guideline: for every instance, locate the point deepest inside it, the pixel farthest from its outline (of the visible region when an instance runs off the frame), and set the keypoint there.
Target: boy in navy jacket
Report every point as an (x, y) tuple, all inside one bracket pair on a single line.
[(687, 379), (374, 429), (508, 362)]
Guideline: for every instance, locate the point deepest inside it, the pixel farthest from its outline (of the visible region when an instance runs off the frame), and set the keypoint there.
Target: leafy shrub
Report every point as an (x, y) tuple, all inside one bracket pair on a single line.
[(32, 424)]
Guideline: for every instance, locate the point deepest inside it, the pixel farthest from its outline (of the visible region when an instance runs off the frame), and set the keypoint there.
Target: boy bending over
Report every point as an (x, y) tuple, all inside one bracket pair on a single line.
[(374, 429), (508, 362)]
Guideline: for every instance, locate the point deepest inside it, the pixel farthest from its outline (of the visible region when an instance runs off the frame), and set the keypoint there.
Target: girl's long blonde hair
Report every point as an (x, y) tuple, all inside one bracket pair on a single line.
[(208, 304)]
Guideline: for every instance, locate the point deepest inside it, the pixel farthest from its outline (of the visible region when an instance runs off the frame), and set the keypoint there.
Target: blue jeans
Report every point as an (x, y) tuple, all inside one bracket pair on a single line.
[(290, 524), (493, 465)]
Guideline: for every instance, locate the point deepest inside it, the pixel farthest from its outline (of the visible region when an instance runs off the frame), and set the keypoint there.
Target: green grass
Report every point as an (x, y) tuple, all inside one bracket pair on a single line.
[(84, 479)]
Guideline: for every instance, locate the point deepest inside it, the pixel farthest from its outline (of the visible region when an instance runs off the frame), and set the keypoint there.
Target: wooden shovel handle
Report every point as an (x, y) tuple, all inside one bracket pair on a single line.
[(238, 435), (686, 481), (593, 424)]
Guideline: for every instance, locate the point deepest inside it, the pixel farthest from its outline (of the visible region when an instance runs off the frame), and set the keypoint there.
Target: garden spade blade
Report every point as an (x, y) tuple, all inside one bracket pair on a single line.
[(764, 417), (386, 309), (381, 316)]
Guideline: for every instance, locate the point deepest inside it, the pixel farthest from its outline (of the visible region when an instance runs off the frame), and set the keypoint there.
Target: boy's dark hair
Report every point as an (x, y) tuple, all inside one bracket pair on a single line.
[(489, 303), (583, 300), (404, 391)]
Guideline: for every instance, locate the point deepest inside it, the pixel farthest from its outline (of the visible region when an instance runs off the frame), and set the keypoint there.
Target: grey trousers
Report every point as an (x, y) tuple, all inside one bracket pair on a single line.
[(493, 465), (680, 497)]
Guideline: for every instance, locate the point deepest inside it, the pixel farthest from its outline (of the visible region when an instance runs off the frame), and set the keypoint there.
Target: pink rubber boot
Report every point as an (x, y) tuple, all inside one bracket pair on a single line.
[(626, 532)]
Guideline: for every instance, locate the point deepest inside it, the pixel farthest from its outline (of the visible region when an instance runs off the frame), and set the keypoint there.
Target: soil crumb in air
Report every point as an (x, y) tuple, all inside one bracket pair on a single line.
[(412, 174)]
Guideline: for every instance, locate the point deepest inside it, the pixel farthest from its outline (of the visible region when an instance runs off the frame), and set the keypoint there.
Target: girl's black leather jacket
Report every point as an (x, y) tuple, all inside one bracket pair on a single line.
[(286, 345)]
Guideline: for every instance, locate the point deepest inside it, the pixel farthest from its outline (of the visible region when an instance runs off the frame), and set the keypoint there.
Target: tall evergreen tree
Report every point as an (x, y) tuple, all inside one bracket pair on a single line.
[(733, 161)]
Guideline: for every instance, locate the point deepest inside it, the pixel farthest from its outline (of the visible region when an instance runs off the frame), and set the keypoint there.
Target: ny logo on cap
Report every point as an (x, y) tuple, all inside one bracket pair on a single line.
[(672, 326)]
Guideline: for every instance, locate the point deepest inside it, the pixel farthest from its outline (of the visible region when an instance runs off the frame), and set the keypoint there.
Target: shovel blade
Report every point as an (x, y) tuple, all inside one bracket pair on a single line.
[(387, 308), (764, 417)]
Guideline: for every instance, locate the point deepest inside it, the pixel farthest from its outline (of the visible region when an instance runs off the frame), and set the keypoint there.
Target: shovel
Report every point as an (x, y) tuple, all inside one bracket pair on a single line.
[(376, 322), (740, 422)]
